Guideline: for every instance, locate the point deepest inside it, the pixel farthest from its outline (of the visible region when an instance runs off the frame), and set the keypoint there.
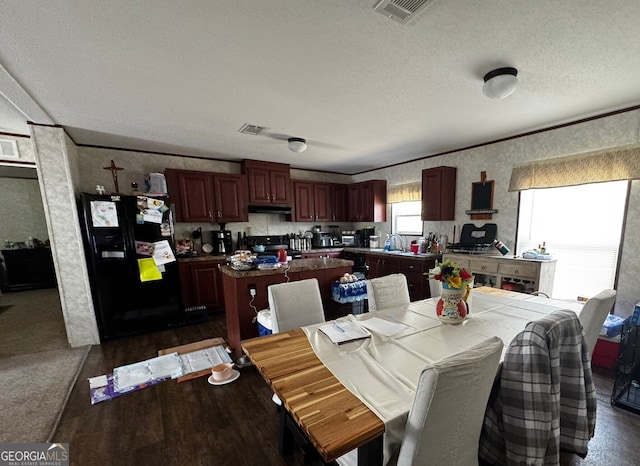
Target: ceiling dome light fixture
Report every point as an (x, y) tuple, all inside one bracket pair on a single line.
[(297, 144), (500, 83)]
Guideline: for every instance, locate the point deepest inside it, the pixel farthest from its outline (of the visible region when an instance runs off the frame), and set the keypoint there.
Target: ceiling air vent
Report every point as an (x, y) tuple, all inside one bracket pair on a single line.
[(401, 11), (251, 129), (8, 149)]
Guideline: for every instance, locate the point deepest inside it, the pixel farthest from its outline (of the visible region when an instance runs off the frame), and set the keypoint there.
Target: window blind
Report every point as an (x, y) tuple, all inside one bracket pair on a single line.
[(404, 192), (585, 245), (593, 167)]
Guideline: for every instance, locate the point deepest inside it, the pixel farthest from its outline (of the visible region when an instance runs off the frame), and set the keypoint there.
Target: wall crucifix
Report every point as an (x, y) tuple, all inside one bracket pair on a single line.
[(114, 174)]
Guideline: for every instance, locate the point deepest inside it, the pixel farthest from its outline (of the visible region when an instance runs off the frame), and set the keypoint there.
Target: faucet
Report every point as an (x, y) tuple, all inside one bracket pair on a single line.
[(394, 246)]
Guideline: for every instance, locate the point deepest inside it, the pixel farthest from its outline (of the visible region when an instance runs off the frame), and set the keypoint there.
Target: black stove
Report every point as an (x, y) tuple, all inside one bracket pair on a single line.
[(476, 240), (272, 243), (478, 249)]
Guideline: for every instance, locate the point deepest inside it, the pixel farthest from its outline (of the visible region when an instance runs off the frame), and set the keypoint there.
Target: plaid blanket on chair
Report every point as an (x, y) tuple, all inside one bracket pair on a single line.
[(544, 399)]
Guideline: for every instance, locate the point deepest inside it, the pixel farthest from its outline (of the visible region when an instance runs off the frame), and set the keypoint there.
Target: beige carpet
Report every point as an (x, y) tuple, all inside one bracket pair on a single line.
[(37, 366)]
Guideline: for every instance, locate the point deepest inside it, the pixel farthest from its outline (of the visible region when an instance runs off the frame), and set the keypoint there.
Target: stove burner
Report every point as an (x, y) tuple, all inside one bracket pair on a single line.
[(472, 249)]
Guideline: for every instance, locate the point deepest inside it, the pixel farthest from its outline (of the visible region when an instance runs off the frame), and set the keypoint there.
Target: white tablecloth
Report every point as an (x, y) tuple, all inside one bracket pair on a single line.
[(383, 371)]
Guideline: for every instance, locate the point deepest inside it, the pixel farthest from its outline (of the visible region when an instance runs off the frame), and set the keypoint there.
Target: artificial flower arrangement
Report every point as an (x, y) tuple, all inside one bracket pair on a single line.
[(451, 274)]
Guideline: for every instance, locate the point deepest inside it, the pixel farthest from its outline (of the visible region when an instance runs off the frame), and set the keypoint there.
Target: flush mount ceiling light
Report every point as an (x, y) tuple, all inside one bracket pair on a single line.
[(297, 144), (500, 83)]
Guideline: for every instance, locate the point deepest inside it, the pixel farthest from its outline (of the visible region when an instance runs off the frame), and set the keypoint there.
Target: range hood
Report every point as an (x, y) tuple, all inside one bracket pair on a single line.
[(269, 209)]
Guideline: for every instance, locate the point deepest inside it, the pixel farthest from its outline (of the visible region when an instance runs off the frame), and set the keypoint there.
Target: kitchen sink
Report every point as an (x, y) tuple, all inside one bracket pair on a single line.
[(400, 253), (397, 253)]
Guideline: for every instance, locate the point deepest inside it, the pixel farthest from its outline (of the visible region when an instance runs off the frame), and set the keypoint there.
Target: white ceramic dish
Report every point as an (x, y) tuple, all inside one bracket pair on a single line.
[(206, 247), (234, 375)]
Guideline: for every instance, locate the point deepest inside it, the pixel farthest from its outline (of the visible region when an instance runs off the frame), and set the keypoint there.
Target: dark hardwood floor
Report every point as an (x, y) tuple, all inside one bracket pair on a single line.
[(194, 423)]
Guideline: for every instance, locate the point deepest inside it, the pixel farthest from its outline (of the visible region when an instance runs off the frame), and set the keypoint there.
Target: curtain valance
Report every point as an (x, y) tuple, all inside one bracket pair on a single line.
[(404, 192), (593, 167)]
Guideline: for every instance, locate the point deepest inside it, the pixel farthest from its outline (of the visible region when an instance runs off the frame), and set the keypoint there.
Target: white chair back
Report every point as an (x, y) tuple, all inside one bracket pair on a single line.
[(388, 291), (295, 304), (435, 286), (593, 314), (445, 420)]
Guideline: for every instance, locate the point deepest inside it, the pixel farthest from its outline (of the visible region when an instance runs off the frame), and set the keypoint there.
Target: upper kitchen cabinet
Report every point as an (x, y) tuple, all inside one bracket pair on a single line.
[(439, 193), (269, 183), (368, 201), (339, 203), (312, 201), (207, 197), (230, 194)]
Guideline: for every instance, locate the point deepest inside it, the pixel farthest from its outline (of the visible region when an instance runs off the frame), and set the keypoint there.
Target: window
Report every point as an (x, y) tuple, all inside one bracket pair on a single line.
[(582, 228), (406, 218)]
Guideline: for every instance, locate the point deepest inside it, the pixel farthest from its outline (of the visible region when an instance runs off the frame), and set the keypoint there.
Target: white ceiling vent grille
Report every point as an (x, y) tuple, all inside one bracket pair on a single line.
[(401, 11), (8, 149), (251, 129)]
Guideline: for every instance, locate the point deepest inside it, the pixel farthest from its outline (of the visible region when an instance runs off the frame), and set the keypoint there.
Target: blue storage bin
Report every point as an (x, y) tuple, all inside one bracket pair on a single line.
[(265, 327), (612, 326)]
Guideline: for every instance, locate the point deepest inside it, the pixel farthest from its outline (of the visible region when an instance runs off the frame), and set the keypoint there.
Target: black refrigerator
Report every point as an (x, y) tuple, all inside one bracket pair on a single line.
[(130, 255)]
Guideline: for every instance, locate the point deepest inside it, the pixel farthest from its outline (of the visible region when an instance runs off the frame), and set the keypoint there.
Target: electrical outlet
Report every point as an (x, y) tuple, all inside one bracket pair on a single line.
[(252, 291)]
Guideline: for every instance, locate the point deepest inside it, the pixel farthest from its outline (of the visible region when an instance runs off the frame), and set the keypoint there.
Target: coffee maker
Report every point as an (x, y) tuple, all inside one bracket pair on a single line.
[(221, 242), (364, 235)]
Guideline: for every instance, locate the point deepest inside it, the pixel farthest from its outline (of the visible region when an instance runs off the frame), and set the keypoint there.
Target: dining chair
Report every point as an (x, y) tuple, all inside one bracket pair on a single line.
[(435, 286), (593, 314), (388, 291), (444, 422), (445, 418), (544, 398), (295, 304)]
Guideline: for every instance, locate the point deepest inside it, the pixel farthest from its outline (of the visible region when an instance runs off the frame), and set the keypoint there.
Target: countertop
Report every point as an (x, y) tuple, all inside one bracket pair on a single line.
[(201, 257), (298, 265), (404, 255), (368, 251)]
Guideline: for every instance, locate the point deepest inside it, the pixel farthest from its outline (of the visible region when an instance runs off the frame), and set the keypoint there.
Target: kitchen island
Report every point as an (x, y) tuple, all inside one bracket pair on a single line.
[(241, 308)]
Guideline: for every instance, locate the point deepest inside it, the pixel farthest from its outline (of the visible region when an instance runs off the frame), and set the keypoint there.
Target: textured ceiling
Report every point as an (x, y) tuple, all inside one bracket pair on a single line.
[(365, 91)]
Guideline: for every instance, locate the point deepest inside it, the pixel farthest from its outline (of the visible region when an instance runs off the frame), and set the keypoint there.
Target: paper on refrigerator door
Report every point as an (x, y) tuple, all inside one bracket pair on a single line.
[(149, 271), (151, 210), (162, 252), (104, 214)]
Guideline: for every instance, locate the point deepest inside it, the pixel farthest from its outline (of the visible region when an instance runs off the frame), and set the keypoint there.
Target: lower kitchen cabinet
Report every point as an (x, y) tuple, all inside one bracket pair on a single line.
[(320, 255), (201, 284), (414, 268), (514, 274)]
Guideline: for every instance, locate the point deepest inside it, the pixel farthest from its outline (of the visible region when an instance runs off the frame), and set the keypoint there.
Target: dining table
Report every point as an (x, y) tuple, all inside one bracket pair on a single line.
[(356, 396)]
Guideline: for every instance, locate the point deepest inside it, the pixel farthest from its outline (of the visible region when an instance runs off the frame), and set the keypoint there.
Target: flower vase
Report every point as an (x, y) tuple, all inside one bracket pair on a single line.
[(452, 307)]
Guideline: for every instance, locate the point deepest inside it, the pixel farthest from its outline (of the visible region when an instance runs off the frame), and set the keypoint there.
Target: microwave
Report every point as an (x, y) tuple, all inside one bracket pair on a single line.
[(348, 240)]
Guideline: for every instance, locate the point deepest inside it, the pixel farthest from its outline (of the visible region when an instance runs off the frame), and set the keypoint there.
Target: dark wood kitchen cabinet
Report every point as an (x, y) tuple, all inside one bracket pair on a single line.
[(201, 284), (269, 183), (207, 196), (439, 193), (339, 202), (312, 201), (368, 201), (413, 268)]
